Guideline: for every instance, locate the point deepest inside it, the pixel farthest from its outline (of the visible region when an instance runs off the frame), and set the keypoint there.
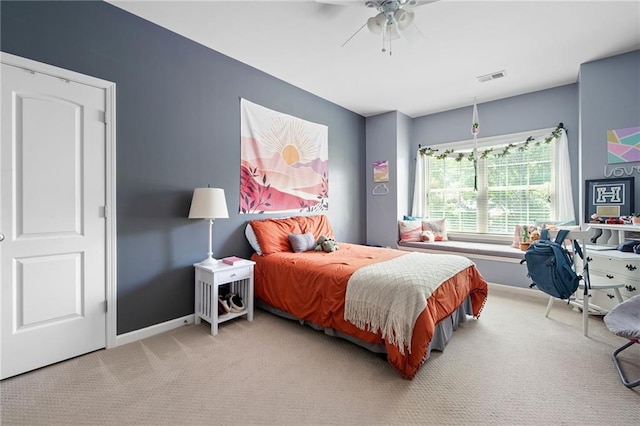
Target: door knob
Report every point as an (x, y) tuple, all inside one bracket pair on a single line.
[(1, 237)]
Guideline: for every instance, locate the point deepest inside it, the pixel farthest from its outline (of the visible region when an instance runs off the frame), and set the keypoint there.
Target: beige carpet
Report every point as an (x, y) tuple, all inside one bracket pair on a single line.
[(511, 367)]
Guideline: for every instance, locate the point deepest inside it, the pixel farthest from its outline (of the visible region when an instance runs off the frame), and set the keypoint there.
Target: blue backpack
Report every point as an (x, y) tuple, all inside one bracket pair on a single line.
[(550, 268)]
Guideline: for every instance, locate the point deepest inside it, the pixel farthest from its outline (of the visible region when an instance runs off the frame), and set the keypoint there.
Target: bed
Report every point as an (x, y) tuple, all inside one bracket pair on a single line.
[(386, 300)]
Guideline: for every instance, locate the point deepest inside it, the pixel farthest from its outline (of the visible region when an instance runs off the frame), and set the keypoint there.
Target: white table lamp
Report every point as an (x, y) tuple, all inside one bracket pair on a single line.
[(208, 203)]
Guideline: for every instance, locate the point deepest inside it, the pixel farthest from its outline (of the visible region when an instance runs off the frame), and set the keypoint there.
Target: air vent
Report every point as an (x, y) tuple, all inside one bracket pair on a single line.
[(492, 76)]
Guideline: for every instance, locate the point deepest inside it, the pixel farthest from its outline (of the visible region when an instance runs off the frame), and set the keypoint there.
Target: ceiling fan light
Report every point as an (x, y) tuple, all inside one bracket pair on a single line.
[(391, 31), (375, 23), (404, 18)]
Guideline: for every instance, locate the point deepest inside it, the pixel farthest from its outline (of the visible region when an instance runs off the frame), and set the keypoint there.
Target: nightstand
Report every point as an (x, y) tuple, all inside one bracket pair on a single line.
[(209, 278)]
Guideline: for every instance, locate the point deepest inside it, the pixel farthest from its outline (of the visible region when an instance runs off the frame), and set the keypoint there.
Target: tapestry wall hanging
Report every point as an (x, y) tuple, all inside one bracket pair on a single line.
[(623, 145), (284, 162)]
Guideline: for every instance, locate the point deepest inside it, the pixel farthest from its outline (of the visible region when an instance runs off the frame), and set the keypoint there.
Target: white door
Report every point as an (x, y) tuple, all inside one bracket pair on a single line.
[(52, 225)]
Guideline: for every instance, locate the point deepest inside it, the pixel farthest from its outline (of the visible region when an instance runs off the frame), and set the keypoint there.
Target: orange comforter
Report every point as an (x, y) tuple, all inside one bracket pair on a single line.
[(312, 286)]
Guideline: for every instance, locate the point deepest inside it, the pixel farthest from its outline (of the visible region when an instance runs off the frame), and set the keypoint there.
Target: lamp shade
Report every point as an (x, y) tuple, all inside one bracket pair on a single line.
[(208, 203)]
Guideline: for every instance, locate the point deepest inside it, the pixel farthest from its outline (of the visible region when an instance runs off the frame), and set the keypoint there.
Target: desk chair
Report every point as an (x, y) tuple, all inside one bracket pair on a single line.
[(586, 285), (624, 321)]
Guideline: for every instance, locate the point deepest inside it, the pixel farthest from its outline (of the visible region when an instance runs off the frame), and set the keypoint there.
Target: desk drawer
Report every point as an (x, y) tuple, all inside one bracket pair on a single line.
[(630, 289), (608, 265), (631, 286)]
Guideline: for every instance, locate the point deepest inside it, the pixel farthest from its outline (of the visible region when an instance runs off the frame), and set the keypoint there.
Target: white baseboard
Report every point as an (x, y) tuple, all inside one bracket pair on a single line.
[(528, 292), (143, 333)]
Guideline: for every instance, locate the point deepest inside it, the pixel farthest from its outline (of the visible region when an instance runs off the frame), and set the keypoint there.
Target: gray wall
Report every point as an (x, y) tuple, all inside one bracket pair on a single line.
[(381, 131), (406, 156), (178, 127), (609, 99), (389, 138)]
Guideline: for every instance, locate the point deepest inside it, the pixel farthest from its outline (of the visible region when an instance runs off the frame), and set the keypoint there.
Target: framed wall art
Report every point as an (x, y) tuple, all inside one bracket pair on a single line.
[(381, 171), (623, 145), (609, 197)]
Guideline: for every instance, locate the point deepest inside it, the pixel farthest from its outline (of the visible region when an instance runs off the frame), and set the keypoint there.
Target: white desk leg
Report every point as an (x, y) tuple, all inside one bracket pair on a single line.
[(549, 305), (585, 314)]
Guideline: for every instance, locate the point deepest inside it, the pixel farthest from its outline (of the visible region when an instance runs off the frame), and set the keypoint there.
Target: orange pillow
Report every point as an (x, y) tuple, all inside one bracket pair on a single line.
[(273, 234), (317, 225)]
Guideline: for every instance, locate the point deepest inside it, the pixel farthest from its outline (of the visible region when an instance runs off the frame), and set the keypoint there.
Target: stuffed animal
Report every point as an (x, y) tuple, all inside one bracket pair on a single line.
[(326, 244), (330, 245), (321, 239)]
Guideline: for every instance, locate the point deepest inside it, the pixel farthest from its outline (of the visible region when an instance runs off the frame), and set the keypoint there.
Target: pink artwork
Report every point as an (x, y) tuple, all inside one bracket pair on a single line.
[(284, 162), (381, 171)]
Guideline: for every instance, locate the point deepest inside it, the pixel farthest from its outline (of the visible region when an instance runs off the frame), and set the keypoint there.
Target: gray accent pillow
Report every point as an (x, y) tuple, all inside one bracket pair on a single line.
[(302, 242)]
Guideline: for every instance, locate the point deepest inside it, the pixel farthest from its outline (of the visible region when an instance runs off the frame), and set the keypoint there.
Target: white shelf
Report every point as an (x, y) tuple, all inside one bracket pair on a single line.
[(612, 234), (617, 227)]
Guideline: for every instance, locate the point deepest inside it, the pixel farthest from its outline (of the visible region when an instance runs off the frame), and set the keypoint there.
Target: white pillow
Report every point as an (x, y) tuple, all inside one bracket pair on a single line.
[(253, 240), (410, 230), (437, 230)]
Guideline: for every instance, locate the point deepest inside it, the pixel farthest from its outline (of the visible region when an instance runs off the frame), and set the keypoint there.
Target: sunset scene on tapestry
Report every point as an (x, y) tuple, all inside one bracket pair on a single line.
[(284, 162)]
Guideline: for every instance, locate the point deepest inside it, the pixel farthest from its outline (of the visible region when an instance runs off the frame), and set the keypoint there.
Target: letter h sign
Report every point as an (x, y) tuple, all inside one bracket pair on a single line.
[(609, 194)]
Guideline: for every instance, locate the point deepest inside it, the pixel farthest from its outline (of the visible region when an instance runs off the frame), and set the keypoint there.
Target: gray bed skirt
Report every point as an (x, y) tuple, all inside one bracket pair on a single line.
[(443, 332)]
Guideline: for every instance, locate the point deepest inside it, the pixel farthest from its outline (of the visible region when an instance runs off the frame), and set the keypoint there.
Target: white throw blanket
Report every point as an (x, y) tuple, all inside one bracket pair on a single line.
[(389, 296)]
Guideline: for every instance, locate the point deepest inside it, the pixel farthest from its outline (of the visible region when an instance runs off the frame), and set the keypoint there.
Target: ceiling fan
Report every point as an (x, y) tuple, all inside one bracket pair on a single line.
[(393, 18)]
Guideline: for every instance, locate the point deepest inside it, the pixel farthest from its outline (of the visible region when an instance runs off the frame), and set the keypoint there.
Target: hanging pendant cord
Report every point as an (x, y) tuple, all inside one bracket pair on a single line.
[(475, 128)]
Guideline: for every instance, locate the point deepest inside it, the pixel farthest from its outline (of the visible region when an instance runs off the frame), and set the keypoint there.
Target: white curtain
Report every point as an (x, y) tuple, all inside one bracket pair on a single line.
[(419, 208), (562, 197)]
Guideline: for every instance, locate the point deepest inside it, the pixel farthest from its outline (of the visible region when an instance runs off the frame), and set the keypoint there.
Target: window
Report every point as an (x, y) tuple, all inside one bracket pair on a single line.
[(516, 188)]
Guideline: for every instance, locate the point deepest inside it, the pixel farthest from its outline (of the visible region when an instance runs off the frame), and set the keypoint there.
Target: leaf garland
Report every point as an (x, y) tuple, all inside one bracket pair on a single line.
[(508, 149)]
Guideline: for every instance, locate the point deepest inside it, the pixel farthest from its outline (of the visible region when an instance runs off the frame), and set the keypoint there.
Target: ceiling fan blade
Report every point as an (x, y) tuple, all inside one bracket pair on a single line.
[(341, 2), (413, 34), (353, 35)]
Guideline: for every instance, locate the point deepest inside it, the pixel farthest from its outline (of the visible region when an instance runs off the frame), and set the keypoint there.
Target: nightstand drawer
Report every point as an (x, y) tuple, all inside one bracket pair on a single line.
[(235, 274)]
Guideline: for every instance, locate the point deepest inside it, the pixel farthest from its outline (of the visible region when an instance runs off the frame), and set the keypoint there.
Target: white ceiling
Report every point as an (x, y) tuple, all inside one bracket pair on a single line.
[(540, 45)]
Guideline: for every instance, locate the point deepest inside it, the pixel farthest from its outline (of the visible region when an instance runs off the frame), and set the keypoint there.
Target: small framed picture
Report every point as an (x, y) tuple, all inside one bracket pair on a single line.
[(609, 197), (381, 171)]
